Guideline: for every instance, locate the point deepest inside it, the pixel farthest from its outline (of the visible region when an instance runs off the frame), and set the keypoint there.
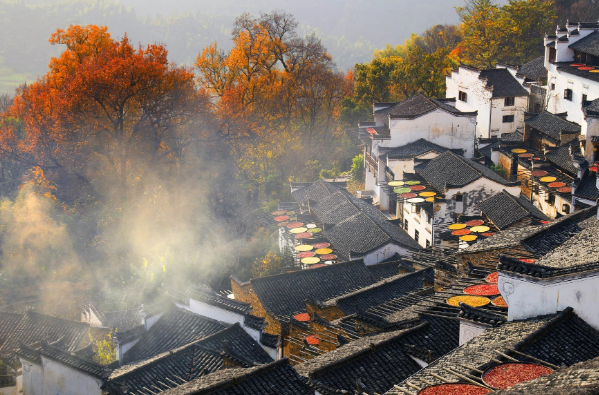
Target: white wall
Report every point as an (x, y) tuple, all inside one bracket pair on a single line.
[(530, 297), (62, 380), (479, 98), (469, 330), (439, 127), (418, 222), (380, 254), (32, 378), (150, 321), (578, 85), (8, 390)]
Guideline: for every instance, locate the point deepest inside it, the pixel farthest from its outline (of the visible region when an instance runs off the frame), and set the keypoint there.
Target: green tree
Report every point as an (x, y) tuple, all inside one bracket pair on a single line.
[(357, 168), (271, 263), (105, 349)]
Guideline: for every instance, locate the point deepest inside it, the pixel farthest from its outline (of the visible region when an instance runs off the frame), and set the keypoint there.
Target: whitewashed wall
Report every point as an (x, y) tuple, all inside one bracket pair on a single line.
[(470, 330), (380, 254), (530, 297), (31, 378), (578, 85), (60, 379), (418, 222)]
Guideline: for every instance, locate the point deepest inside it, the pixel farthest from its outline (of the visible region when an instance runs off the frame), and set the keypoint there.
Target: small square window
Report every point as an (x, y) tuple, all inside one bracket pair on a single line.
[(508, 118), (509, 101), (568, 94), (552, 87), (463, 96)]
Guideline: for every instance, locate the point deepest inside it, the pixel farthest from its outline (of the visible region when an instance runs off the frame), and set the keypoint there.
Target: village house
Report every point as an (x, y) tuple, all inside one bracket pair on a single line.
[(354, 228), (571, 57), (441, 191), (496, 95), (396, 125), (506, 211)]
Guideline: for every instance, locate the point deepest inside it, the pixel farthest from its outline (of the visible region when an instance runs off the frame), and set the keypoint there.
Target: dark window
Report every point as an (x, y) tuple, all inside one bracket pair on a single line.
[(566, 208), (568, 94), (458, 197), (416, 235), (428, 244), (584, 98), (537, 108), (463, 96), (418, 210), (405, 225), (509, 101), (508, 118), (550, 198), (552, 87)]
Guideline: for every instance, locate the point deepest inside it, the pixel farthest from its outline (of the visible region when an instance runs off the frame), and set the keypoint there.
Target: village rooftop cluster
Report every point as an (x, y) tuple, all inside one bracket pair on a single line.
[(443, 276)]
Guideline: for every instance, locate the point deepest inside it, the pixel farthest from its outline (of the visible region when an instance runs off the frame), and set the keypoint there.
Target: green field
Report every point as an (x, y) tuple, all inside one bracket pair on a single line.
[(11, 79)]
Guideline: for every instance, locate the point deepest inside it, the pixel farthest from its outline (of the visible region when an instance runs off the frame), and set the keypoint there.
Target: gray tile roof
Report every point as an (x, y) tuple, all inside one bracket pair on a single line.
[(502, 83), (505, 209), (556, 338), (591, 109), (316, 191), (176, 328), (588, 44), (562, 158), (566, 68), (419, 105), (451, 170), (191, 361), (35, 327), (587, 188), (552, 125), (418, 147), (286, 294), (275, 378), (534, 70)]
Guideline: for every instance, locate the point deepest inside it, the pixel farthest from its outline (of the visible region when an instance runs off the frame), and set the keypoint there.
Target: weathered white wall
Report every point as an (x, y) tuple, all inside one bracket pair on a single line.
[(123, 348), (418, 222), (439, 127), (530, 297), (578, 85), (469, 330), (551, 210), (31, 378), (60, 379), (149, 321), (380, 254), (479, 98), (590, 128)]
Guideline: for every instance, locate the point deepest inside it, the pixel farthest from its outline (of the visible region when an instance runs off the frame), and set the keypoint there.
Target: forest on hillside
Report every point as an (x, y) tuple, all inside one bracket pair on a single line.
[(131, 166)]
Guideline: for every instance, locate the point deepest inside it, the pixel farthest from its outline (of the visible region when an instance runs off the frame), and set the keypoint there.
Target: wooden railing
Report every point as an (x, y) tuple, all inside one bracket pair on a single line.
[(372, 164)]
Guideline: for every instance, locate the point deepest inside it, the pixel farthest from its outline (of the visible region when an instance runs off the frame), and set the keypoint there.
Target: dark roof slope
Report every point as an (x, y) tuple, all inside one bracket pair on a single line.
[(419, 105), (380, 292), (212, 298), (579, 379), (587, 188), (504, 209), (588, 44), (317, 191), (176, 328), (275, 378), (8, 323), (35, 327), (552, 125), (563, 158), (503, 83), (416, 148), (451, 170), (192, 361), (285, 294), (534, 70), (378, 362)]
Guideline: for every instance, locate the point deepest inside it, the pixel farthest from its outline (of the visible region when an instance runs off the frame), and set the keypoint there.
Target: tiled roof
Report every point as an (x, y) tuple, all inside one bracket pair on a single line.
[(591, 109), (419, 105), (192, 361), (534, 70), (384, 270), (212, 298), (574, 70), (379, 293), (562, 158), (587, 188), (123, 337), (579, 379), (538, 239), (316, 191), (451, 170), (74, 362), (359, 226), (552, 125), (502, 83), (588, 44), (514, 137), (125, 319), (418, 147), (505, 209), (275, 378), (378, 362), (35, 327), (174, 329), (285, 294), (538, 337), (579, 249), (8, 323)]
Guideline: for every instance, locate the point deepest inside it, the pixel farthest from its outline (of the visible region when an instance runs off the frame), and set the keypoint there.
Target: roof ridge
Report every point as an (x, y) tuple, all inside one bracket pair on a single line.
[(552, 323), (79, 323), (45, 344), (368, 346), (304, 272)]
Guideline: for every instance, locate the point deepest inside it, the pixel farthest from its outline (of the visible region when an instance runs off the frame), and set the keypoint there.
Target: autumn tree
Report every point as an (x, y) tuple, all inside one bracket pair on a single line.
[(276, 94), (105, 100), (271, 263), (482, 33)]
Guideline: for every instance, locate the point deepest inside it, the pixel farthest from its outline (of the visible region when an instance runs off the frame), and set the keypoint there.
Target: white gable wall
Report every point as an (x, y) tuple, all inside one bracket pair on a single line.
[(381, 253), (579, 86), (32, 378), (439, 127), (530, 297)]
